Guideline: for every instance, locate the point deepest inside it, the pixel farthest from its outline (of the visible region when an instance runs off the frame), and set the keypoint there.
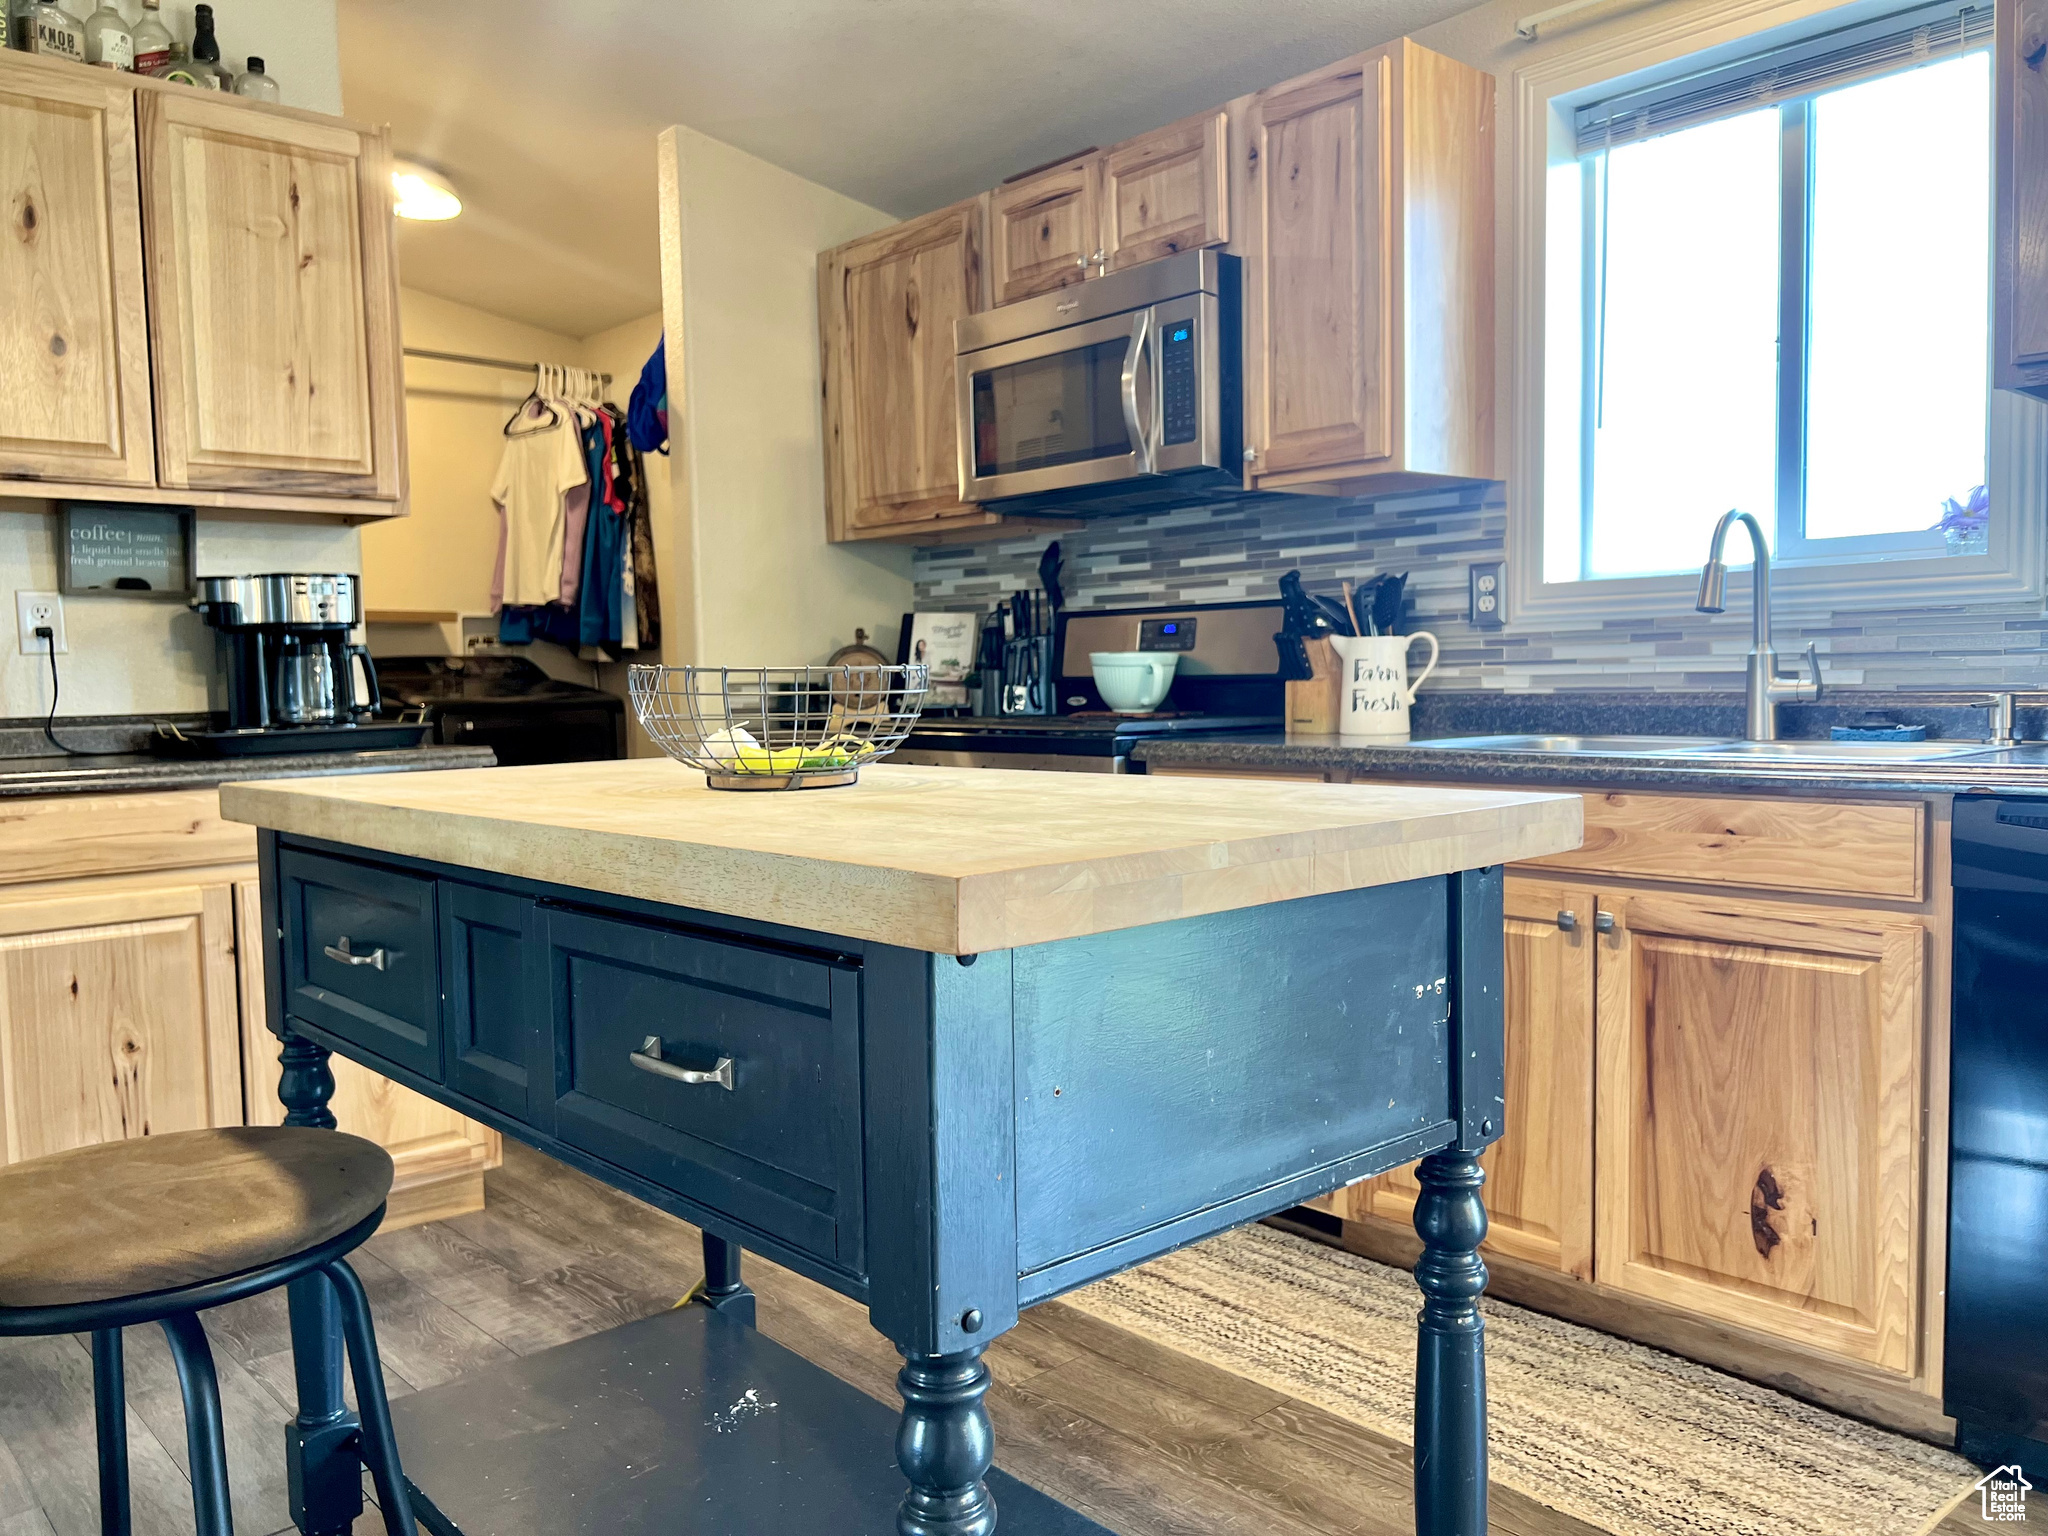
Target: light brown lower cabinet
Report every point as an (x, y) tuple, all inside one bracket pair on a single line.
[(1539, 1177), (1758, 1116), (132, 1000)]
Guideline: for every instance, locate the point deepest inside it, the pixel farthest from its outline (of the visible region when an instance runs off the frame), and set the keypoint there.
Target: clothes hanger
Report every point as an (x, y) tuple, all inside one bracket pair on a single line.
[(534, 396)]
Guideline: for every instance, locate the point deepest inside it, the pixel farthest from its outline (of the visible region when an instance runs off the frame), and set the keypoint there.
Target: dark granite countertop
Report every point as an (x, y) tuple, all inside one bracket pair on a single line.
[(51, 774), (2021, 770), (1948, 717)]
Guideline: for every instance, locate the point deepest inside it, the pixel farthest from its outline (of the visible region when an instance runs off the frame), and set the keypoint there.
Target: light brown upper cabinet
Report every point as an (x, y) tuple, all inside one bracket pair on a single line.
[(1104, 210), (1365, 192), (2020, 318), (198, 299), (1046, 228), (1758, 1120), (886, 307), (274, 306), (1166, 191), (74, 347)]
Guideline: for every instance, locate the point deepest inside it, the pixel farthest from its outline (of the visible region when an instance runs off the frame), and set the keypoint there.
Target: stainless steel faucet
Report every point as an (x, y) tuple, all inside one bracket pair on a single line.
[(1766, 684)]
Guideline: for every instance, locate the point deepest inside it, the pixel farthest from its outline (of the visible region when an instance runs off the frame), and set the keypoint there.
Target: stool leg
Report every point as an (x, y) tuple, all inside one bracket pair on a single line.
[(110, 1417), (204, 1439), (380, 1445)]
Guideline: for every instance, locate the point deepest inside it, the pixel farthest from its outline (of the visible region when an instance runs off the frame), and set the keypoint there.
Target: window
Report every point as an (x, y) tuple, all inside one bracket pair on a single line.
[(1780, 293)]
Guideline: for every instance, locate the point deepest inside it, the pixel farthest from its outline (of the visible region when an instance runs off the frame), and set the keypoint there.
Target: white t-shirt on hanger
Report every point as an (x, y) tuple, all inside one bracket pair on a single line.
[(540, 467)]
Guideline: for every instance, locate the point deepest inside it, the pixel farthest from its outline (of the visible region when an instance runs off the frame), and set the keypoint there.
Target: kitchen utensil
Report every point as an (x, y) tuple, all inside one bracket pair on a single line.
[(1027, 676), (1377, 692), (1340, 618), (1350, 608), (1049, 567), (777, 727), (306, 691), (1389, 592), (1300, 620), (1133, 682)]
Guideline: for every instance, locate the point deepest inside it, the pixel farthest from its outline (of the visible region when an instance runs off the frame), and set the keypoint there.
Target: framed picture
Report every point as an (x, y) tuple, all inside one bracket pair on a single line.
[(118, 551)]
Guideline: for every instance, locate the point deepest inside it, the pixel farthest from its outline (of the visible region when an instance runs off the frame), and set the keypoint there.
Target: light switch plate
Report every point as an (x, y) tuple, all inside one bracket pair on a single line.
[(36, 610), (1489, 592)]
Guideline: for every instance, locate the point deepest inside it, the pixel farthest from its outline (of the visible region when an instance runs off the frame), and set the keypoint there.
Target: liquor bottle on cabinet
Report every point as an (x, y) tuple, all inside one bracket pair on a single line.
[(255, 84), (108, 42), (152, 39), (47, 28), (206, 51)]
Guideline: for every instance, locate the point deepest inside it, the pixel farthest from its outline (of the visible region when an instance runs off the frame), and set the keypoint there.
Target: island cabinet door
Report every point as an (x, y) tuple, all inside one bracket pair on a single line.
[(725, 1071), (74, 341), (1539, 1175), (495, 1037), (361, 956), (272, 300), (1757, 1119)]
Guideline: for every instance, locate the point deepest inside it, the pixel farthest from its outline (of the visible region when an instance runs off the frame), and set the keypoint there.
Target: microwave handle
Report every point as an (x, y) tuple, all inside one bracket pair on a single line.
[(1141, 442)]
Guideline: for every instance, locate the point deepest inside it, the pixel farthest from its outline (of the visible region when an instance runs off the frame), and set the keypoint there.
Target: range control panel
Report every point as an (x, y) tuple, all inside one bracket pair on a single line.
[(1166, 635), (1177, 374)]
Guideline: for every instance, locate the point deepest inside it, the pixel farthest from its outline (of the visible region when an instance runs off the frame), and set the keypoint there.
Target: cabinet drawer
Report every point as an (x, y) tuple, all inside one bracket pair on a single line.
[(360, 956), (1869, 848), (779, 1150)]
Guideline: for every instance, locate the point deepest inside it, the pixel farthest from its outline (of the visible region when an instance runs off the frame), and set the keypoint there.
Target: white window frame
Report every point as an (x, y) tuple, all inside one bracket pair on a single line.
[(1543, 96)]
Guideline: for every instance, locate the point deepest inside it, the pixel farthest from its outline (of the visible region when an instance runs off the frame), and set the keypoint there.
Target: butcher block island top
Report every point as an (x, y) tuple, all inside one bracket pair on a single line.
[(946, 860)]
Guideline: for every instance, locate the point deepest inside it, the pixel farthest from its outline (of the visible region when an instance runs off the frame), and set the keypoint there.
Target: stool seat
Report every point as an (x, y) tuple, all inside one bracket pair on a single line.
[(128, 1218)]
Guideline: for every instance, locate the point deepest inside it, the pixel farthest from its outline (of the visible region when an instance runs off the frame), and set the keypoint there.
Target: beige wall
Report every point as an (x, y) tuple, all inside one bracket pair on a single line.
[(754, 581), (441, 556)]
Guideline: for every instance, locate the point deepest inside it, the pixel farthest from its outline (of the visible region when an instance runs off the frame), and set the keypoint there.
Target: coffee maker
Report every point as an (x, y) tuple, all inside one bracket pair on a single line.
[(295, 682)]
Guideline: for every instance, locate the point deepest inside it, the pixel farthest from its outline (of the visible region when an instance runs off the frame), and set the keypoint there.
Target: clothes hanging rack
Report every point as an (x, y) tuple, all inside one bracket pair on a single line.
[(492, 362)]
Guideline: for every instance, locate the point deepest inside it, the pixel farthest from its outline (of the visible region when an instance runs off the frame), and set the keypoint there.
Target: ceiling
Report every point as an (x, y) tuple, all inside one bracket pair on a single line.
[(545, 117)]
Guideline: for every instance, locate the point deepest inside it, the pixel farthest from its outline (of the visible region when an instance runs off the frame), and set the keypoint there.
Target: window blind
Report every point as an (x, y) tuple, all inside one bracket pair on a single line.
[(1805, 68)]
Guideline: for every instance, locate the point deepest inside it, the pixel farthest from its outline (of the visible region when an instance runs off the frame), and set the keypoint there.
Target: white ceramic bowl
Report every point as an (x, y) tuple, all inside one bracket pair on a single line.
[(1133, 682)]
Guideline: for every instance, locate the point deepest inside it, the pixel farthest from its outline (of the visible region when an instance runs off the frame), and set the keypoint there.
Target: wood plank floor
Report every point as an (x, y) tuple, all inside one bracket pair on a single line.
[(1145, 1440)]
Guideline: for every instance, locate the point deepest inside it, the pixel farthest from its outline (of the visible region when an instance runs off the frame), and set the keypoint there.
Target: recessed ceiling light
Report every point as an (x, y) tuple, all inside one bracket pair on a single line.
[(421, 192)]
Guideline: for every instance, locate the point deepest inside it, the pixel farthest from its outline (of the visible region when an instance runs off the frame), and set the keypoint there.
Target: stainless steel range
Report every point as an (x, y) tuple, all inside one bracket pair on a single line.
[(1227, 680)]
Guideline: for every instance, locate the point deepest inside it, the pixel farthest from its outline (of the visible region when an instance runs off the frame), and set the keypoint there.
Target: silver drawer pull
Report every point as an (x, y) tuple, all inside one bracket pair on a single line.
[(648, 1059), (348, 956)]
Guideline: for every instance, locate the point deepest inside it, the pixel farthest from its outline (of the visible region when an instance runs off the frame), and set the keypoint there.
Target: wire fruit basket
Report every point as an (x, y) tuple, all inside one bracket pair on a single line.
[(778, 727)]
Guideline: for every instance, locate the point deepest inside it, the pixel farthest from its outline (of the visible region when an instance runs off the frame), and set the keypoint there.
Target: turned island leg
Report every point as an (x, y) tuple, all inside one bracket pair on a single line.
[(322, 1469), (944, 1445), (723, 1289), (1450, 1360)]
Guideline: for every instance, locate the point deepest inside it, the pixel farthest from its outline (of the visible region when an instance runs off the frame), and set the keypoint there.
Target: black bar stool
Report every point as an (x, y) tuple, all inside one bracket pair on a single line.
[(159, 1229)]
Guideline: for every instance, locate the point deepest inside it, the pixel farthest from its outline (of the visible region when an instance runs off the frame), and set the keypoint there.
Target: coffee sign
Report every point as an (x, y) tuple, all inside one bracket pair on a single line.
[(125, 551)]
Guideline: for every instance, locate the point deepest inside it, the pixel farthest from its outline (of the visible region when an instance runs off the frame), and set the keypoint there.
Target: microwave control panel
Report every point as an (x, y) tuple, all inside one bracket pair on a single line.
[(1177, 374)]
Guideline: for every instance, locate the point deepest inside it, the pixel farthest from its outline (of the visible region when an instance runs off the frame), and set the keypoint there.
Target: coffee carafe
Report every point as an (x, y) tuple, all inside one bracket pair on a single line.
[(285, 640)]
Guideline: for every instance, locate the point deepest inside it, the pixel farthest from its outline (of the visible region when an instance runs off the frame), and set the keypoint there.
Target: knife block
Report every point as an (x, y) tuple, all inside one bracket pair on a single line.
[(1315, 706)]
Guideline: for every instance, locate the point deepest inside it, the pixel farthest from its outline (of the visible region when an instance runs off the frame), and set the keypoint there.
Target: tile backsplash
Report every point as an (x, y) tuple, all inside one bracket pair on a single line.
[(1240, 550)]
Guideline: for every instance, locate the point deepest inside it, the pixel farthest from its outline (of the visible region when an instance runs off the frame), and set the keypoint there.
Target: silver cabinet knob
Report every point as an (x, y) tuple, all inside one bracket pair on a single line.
[(1568, 921), (1603, 922)]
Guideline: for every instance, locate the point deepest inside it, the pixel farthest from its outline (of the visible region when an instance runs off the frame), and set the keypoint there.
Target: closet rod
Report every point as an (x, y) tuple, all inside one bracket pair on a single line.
[(488, 362)]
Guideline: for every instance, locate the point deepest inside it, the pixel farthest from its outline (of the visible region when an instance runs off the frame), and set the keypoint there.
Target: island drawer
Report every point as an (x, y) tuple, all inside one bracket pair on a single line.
[(778, 1149), (360, 955)]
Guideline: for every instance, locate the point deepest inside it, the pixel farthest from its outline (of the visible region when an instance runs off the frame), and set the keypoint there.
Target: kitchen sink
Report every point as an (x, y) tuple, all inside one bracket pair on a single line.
[(1843, 751), (1708, 747), (1587, 746)]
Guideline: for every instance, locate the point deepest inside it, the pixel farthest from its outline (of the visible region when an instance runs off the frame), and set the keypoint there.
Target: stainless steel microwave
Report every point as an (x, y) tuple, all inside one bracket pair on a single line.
[(1109, 395)]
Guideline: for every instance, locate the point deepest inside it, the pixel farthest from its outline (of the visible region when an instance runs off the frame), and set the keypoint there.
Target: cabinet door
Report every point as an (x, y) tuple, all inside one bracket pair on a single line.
[(1539, 1175), (117, 1016), (74, 342), (1045, 229), (1318, 302), (2021, 321), (1166, 191), (490, 977), (273, 300), (1758, 1107), (886, 308)]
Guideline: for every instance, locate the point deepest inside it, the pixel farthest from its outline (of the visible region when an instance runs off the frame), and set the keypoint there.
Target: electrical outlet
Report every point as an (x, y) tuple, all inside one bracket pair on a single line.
[(1489, 583), (40, 610)]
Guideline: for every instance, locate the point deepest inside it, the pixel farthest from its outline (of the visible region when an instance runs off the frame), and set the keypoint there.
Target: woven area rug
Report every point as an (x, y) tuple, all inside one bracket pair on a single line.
[(1626, 1438)]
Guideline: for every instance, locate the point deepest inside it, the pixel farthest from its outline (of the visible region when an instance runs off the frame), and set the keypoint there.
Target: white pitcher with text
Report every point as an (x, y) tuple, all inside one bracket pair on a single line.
[(1377, 692)]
